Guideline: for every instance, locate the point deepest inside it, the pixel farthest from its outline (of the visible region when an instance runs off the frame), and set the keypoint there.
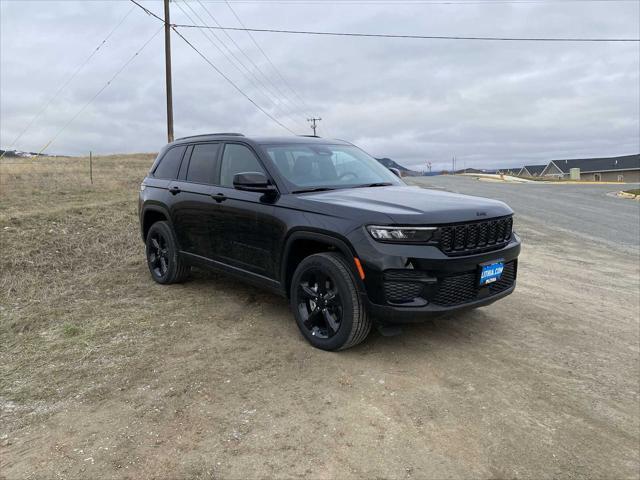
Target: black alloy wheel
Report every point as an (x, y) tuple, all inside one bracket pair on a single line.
[(319, 303), (158, 255), (326, 302), (163, 259)]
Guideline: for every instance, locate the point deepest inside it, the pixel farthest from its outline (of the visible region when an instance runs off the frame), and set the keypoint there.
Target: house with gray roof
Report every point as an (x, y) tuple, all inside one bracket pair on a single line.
[(610, 169), (508, 171), (531, 170)]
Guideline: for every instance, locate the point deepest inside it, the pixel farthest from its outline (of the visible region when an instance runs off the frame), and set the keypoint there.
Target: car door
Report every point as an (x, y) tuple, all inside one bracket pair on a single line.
[(246, 229), (193, 208), (164, 173)]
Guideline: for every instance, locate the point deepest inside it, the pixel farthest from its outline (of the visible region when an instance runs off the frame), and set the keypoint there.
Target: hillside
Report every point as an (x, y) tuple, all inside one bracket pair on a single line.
[(18, 153), (387, 162)]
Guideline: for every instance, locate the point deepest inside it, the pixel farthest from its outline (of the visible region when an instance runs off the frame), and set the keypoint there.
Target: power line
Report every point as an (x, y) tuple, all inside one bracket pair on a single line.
[(275, 69), (147, 11), (278, 93), (269, 94), (228, 54), (417, 2), (232, 83), (217, 70), (276, 89), (413, 37), (104, 87), (67, 82), (249, 76)]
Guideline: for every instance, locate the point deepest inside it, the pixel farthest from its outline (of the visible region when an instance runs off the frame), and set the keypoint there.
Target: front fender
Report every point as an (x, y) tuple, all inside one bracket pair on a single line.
[(328, 238)]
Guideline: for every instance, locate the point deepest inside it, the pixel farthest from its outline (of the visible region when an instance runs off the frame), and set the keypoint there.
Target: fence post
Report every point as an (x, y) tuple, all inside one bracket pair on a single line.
[(91, 167)]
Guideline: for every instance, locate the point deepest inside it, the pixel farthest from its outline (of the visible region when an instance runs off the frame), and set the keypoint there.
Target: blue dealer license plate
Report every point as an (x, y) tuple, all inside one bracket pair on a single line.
[(490, 272)]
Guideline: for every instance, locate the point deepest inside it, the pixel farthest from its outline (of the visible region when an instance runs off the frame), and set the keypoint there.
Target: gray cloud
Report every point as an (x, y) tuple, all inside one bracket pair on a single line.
[(489, 103)]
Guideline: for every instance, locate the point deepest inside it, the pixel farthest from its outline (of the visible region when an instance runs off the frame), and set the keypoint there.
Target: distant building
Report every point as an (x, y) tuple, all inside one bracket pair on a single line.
[(531, 170), (509, 171), (474, 170), (611, 169)]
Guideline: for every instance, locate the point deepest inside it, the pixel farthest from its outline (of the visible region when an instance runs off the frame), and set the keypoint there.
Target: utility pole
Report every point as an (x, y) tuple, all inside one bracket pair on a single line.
[(314, 124), (167, 59)]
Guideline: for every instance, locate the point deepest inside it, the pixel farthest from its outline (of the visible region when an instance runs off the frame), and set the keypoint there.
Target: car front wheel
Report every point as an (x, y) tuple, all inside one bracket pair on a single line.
[(326, 303)]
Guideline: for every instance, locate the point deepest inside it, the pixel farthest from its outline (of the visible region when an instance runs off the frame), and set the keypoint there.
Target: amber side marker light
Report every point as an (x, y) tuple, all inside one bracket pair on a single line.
[(359, 267)]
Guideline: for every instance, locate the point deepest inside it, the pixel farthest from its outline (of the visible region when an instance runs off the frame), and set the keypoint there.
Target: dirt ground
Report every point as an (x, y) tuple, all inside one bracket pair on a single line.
[(105, 374)]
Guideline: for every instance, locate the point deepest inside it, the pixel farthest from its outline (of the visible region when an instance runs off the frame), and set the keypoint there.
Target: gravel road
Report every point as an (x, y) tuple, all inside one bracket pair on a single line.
[(587, 211)]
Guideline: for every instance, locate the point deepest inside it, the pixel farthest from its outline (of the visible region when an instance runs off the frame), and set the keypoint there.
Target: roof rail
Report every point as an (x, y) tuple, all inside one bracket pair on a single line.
[(225, 134)]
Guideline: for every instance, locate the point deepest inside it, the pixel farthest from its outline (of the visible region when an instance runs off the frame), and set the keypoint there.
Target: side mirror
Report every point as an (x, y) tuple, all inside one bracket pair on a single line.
[(253, 182), (396, 172)]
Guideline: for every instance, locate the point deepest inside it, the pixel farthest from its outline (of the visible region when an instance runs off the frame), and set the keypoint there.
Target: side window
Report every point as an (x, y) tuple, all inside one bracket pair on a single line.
[(182, 173), (237, 159), (169, 164), (202, 166)]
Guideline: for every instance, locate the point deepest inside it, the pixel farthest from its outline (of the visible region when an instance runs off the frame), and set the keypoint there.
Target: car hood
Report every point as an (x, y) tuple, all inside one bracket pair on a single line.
[(410, 205)]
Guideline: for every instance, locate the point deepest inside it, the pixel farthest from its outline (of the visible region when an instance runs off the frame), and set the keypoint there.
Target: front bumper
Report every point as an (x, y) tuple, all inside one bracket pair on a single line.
[(408, 283), (408, 314)]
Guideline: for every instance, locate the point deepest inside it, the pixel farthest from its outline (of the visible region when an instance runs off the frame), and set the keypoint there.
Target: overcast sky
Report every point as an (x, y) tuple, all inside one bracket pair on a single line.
[(488, 103)]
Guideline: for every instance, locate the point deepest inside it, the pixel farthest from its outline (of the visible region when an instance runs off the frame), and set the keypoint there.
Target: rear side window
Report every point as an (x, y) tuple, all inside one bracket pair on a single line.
[(169, 164), (202, 166)]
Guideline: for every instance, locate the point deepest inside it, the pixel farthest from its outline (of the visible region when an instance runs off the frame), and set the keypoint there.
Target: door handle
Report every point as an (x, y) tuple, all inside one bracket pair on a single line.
[(174, 190), (219, 197)]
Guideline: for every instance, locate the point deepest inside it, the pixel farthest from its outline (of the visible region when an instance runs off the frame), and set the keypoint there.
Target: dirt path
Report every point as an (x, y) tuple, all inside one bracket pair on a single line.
[(211, 379)]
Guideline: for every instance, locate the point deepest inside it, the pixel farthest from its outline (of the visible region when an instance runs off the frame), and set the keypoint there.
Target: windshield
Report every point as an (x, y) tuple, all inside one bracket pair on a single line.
[(313, 166)]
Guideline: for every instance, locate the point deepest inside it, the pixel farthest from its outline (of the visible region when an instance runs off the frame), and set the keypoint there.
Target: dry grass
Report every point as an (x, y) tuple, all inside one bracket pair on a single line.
[(80, 318), (67, 247), (83, 326), (30, 185)]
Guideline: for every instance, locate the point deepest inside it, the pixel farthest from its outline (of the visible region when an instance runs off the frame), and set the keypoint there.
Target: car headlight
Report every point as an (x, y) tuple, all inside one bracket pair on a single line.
[(401, 234)]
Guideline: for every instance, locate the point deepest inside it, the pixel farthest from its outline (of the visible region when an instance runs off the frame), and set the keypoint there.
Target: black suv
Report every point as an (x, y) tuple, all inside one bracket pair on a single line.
[(321, 222)]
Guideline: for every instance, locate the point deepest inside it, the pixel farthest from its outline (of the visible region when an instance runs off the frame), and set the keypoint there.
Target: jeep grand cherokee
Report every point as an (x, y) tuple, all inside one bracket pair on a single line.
[(324, 224)]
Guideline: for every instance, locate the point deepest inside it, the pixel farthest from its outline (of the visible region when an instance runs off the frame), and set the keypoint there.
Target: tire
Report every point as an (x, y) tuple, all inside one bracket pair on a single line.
[(163, 258), (326, 303)]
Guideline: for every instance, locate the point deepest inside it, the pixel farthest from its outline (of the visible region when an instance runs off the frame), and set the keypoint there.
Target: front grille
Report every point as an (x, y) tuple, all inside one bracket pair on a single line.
[(506, 280), (464, 288), (405, 275), (469, 238), (402, 292), (457, 289)]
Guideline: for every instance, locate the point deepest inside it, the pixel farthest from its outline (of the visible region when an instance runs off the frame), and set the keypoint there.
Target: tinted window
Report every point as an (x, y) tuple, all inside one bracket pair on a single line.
[(182, 173), (203, 162), (332, 166), (237, 159), (169, 164)]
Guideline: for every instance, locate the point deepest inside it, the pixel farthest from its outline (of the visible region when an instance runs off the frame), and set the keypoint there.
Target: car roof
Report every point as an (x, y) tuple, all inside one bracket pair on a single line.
[(298, 139), (293, 139)]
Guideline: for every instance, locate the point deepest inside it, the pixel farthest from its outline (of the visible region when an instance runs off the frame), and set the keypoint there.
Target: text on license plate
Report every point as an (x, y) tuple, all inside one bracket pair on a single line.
[(491, 273)]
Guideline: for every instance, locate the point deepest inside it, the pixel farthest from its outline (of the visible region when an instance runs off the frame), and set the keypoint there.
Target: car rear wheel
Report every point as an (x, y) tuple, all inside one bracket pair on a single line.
[(163, 257), (326, 303)]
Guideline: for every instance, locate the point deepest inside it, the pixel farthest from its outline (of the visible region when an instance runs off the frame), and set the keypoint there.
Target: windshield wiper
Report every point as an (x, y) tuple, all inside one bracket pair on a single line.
[(315, 189), (378, 184)]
